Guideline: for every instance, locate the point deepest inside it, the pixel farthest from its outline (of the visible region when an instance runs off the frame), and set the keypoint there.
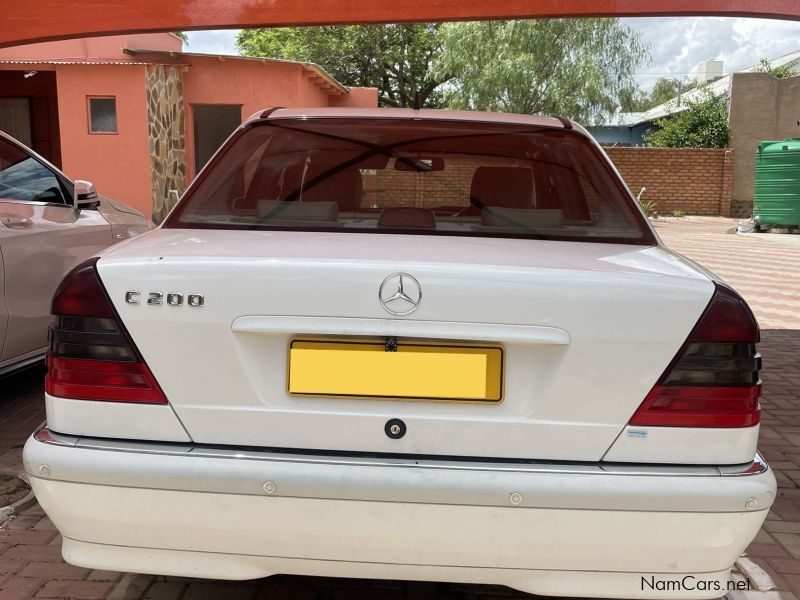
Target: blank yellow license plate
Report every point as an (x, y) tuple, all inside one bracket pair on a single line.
[(415, 371)]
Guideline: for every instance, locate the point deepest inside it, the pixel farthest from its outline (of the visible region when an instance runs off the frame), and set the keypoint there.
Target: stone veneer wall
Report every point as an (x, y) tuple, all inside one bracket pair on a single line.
[(166, 136)]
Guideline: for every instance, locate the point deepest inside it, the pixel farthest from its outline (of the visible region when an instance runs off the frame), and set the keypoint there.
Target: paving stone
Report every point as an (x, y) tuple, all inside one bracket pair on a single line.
[(20, 588), (9, 567), (34, 509), (768, 550), (783, 479), (83, 590), (166, 590), (367, 594), (785, 566), (103, 576), (790, 541), (763, 537), (49, 570), (755, 595), (214, 591), (790, 493), (388, 584), (47, 553), (786, 509), (792, 582), (781, 464), (24, 522), (782, 526), (131, 587), (44, 524), (278, 588), (26, 537)]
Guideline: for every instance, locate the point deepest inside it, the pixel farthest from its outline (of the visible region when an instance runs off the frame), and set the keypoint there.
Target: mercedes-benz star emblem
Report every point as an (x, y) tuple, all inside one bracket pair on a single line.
[(400, 294)]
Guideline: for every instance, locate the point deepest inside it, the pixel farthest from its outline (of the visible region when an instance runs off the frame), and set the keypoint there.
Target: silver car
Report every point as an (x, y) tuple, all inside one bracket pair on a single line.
[(48, 224)]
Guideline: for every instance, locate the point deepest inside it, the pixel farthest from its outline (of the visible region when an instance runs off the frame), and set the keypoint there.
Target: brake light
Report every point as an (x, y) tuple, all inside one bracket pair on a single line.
[(91, 355), (713, 381)]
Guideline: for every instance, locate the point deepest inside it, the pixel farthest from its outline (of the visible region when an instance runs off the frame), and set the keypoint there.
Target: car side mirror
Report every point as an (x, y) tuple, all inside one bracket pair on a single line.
[(85, 195)]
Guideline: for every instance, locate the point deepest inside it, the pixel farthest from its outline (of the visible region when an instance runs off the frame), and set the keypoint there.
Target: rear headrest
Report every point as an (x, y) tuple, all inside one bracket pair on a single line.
[(407, 216), (278, 210), (279, 183), (522, 217), (345, 187), (505, 187)]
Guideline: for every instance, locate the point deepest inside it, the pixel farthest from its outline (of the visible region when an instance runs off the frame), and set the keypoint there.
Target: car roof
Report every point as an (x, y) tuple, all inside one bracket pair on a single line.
[(411, 114)]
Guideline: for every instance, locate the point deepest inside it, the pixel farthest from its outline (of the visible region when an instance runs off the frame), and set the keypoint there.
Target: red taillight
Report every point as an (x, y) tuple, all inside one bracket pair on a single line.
[(82, 295), (727, 318), (91, 356), (713, 381)]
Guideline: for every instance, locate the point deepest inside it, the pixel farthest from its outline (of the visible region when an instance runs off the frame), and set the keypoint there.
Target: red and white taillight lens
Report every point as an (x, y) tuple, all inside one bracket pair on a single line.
[(713, 381), (91, 356)]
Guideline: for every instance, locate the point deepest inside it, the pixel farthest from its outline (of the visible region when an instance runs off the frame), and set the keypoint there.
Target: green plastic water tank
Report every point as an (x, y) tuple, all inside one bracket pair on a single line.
[(777, 193)]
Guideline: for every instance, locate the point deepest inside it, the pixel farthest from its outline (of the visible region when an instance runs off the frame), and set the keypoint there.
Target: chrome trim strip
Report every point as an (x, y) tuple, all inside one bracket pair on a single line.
[(44, 435), (757, 467), (410, 328), (37, 203), (23, 364)]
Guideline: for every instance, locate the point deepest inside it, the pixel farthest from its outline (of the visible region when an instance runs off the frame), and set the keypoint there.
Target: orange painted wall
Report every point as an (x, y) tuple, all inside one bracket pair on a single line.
[(365, 97), (118, 164), (255, 85), (108, 47)]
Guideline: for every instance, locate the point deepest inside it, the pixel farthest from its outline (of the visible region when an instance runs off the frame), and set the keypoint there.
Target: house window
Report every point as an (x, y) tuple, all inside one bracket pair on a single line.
[(103, 115)]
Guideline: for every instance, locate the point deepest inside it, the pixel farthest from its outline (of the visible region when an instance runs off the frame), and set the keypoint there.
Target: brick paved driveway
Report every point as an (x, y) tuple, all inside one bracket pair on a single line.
[(764, 269)]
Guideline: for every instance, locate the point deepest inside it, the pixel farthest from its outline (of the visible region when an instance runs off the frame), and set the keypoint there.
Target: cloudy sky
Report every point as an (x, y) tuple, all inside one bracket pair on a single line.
[(677, 44)]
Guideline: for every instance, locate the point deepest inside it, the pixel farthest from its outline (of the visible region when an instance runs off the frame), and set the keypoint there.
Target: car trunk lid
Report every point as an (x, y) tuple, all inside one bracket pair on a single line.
[(585, 329)]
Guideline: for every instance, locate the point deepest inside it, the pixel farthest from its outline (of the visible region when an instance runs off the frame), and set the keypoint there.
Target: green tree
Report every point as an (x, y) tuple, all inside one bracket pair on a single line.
[(704, 124), (394, 58), (666, 89), (781, 72), (633, 100), (182, 35), (569, 67)]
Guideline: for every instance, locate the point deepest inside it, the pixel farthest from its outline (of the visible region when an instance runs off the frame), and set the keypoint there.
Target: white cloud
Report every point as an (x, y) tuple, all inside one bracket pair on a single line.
[(678, 44), (216, 41)]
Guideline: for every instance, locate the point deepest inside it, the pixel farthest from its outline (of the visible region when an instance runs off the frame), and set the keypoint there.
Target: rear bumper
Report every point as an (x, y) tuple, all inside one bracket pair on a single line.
[(578, 530)]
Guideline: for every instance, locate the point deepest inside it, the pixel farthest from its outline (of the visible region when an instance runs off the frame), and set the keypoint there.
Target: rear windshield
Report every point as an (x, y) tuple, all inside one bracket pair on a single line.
[(413, 177)]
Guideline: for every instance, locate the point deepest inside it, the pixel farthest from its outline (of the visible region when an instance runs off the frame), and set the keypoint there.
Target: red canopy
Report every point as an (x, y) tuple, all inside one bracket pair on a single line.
[(40, 20)]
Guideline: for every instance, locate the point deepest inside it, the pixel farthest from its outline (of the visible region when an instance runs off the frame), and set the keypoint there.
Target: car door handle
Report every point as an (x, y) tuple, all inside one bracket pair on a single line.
[(18, 223)]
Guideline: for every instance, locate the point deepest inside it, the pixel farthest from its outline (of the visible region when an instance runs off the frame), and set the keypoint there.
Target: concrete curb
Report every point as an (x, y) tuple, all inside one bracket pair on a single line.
[(17, 507)]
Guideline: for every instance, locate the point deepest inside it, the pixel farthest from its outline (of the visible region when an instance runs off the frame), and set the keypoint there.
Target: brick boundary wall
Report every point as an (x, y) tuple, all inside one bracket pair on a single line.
[(697, 181)]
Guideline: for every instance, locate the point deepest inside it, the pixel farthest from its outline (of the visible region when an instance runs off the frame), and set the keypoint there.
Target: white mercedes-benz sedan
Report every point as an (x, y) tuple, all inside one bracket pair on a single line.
[(409, 345)]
